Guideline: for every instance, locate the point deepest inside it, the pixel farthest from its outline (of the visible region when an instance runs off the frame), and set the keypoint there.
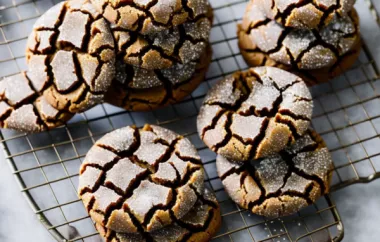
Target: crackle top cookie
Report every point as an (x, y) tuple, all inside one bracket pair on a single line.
[(150, 16), (137, 89), (24, 109), (254, 114), (302, 48), (305, 14), (200, 224), (178, 45), (255, 57), (71, 54), (140, 179), (283, 183)]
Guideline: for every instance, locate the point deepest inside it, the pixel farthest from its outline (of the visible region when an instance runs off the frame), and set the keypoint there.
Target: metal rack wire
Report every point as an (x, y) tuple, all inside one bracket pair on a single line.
[(46, 164)]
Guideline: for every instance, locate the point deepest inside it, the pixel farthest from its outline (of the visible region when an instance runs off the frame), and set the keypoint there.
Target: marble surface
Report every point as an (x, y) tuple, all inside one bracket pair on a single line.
[(17, 221), (357, 204)]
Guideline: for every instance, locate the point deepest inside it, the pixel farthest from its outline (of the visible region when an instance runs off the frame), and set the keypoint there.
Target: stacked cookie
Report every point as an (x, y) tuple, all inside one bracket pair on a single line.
[(147, 185), (269, 160), (162, 50), (139, 55), (317, 40)]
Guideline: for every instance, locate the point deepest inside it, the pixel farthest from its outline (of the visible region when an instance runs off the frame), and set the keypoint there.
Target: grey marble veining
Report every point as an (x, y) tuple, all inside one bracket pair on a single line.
[(17, 221)]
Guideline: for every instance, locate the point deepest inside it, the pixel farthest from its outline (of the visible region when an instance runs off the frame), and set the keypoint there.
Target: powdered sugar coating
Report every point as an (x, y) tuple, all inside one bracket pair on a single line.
[(255, 57), (255, 113), (71, 54), (178, 46), (281, 184), (148, 16), (139, 78), (175, 84), (304, 49), (23, 108), (200, 224), (307, 14), (155, 174)]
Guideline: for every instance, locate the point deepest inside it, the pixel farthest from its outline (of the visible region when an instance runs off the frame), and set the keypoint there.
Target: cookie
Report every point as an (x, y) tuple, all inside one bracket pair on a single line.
[(24, 109), (254, 114), (283, 183), (71, 54), (131, 91), (199, 225), (179, 45), (303, 14), (140, 179), (302, 49), (150, 16), (255, 57)]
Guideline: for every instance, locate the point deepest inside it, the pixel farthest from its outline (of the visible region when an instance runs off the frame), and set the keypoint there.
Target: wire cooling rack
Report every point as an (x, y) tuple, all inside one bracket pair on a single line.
[(347, 114)]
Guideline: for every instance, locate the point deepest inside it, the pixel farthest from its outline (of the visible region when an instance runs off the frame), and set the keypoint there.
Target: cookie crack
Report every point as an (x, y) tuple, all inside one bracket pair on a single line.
[(142, 18), (214, 121), (257, 25), (328, 12), (286, 112), (288, 158), (168, 86), (288, 10), (186, 7), (137, 224), (292, 127), (228, 136)]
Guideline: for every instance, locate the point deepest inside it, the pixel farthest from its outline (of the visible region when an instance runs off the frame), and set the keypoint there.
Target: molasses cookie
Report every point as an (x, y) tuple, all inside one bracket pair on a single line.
[(137, 89), (283, 183), (255, 57), (254, 114), (179, 45), (150, 16), (303, 14), (23, 108), (71, 54), (140, 179), (302, 49), (199, 225)]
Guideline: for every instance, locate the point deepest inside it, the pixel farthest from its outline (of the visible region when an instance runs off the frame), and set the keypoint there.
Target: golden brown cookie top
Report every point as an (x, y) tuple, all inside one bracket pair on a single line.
[(302, 48), (305, 14), (150, 16), (23, 108), (199, 224), (254, 114), (71, 53), (140, 179), (283, 183), (178, 45)]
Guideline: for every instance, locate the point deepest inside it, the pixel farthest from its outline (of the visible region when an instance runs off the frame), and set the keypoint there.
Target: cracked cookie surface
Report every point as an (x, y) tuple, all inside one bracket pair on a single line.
[(255, 113), (255, 57), (283, 183), (23, 108), (305, 14), (134, 180), (179, 45), (129, 89), (200, 224), (150, 16), (302, 49), (71, 54)]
